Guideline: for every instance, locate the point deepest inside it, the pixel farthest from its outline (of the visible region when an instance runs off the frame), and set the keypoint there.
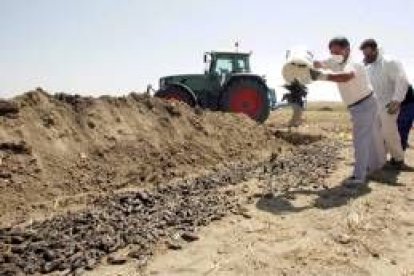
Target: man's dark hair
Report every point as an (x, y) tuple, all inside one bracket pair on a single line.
[(340, 41), (369, 43)]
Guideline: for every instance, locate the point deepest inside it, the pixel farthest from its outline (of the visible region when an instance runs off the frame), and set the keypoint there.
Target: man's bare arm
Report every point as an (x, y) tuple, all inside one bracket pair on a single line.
[(334, 77), (340, 77)]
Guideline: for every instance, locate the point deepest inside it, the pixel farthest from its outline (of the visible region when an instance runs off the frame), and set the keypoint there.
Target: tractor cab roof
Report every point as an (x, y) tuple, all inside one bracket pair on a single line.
[(224, 53)]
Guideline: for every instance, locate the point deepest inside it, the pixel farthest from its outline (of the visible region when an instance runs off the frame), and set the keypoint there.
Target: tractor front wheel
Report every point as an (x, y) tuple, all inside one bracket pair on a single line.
[(248, 96), (176, 93)]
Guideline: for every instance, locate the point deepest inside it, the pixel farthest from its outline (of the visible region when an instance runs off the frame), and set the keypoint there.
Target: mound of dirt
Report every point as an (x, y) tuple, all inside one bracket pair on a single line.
[(57, 151)]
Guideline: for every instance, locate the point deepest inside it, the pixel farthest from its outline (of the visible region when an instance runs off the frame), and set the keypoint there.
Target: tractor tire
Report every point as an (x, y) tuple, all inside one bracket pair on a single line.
[(248, 96), (177, 93)]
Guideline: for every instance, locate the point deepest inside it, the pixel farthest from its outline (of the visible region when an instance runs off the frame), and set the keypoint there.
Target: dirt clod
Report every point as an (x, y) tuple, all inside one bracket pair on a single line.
[(173, 245), (116, 259), (189, 237), (8, 107)]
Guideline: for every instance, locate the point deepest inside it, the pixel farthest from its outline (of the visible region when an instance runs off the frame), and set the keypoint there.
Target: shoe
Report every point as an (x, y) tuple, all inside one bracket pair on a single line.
[(353, 182), (397, 165)]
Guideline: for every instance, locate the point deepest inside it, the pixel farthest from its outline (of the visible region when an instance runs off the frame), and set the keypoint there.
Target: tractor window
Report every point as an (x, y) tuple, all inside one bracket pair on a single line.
[(224, 66), (241, 65)]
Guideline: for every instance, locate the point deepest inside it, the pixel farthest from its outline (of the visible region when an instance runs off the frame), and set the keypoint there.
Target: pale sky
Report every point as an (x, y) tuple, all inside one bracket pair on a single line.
[(95, 47)]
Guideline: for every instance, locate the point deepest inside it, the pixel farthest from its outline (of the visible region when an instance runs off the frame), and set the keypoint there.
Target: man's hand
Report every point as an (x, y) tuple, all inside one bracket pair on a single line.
[(317, 64), (393, 107), (316, 74)]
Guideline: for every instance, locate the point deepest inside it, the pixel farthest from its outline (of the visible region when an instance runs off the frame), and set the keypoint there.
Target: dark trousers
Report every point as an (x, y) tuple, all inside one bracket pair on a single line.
[(405, 123)]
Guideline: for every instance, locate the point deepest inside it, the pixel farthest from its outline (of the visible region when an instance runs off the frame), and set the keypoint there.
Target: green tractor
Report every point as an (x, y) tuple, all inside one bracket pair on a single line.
[(226, 85)]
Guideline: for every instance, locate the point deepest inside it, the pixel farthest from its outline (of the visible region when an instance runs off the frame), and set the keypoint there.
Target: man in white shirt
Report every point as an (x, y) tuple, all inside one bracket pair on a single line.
[(356, 92), (390, 85)]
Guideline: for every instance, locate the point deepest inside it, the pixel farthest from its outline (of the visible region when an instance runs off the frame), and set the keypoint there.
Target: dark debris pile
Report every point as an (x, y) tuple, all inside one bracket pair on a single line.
[(75, 242)]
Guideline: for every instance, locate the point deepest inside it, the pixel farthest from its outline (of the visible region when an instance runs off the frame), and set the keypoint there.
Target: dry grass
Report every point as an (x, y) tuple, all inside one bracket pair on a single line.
[(326, 106), (318, 114)]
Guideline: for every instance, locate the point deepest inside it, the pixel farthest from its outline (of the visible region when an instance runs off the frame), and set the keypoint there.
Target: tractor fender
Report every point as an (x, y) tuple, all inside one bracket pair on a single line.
[(244, 76), (186, 89)]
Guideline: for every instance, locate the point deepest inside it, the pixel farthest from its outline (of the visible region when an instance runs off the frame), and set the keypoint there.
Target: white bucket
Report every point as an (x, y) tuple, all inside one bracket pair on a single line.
[(298, 62)]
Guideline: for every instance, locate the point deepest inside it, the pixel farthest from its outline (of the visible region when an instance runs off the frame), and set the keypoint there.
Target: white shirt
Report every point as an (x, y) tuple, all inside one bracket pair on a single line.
[(355, 89), (388, 79)]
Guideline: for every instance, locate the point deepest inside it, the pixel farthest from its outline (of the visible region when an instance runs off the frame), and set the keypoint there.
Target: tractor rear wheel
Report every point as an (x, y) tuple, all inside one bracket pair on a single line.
[(248, 96), (177, 93)]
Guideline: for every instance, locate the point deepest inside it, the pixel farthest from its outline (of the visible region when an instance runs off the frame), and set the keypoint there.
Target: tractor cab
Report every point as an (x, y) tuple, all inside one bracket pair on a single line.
[(225, 63)]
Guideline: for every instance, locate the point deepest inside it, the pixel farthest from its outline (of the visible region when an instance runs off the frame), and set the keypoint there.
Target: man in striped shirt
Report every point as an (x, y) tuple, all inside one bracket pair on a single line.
[(390, 85)]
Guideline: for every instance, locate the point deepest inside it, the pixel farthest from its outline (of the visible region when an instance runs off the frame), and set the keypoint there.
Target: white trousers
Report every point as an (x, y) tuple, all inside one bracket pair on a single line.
[(389, 129), (369, 148)]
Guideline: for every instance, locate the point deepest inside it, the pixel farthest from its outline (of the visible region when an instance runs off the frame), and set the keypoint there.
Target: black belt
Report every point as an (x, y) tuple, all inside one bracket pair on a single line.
[(360, 101)]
